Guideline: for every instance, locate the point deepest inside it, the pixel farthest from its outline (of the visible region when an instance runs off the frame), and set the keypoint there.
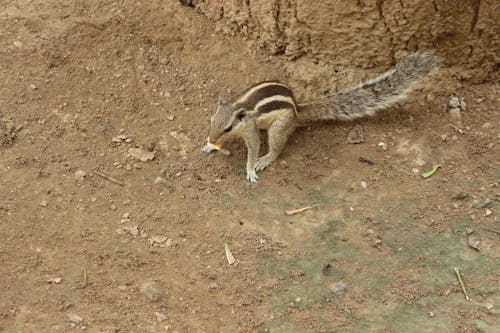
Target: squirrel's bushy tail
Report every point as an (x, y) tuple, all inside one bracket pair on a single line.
[(369, 97)]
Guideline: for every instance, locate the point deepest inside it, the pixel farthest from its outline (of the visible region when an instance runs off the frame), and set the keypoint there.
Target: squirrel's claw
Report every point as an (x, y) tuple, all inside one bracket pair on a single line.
[(252, 177), (207, 149)]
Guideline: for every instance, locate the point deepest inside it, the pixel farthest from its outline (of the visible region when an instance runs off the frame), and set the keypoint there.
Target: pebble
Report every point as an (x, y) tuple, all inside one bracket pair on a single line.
[(18, 44), (141, 154), (382, 145), (339, 288), (160, 316), (488, 212), (44, 203), (80, 174), (157, 241), (460, 196), (480, 204), (364, 184), (75, 319), (356, 135), (160, 180), (151, 291), (171, 118), (474, 242), (469, 231), (126, 215), (454, 102)]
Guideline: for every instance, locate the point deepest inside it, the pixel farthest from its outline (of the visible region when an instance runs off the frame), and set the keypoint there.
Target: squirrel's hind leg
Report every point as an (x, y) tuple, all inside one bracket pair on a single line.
[(278, 134)]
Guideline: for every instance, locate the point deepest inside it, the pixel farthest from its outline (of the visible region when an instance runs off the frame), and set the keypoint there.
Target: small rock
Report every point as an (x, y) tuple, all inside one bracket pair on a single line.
[(80, 175), (18, 44), (213, 286), (474, 242), (160, 316), (44, 203), (356, 135), (460, 196), (382, 145), (339, 288), (480, 204), (488, 212), (431, 314), (126, 215), (487, 125), (75, 319), (160, 180), (469, 231), (141, 155), (157, 241), (171, 118), (454, 102), (133, 230), (151, 291), (364, 184), (33, 87), (456, 116), (415, 170)]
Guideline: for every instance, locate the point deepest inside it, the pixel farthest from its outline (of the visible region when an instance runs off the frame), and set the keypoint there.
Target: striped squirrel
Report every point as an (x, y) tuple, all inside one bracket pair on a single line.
[(270, 106)]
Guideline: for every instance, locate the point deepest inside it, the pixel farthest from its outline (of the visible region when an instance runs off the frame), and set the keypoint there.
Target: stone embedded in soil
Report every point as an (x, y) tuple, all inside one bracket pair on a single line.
[(339, 288), (356, 135), (75, 319), (474, 242), (80, 175), (454, 102), (460, 196), (480, 204), (150, 291), (159, 181), (141, 155), (157, 241), (160, 316)]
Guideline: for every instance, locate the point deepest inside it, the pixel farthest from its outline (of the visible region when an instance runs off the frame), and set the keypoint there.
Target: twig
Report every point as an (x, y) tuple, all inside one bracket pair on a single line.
[(299, 210), (111, 179), (367, 161), (457, 272), (85, 276), (229, 255), (459, 130), (492, 230)]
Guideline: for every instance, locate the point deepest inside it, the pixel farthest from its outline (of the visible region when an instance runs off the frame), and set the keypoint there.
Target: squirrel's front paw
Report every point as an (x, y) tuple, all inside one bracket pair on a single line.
[(207, 149), (252, 177)]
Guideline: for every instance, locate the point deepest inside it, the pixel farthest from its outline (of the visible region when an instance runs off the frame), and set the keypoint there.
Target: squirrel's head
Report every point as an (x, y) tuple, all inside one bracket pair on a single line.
[(225, 122)]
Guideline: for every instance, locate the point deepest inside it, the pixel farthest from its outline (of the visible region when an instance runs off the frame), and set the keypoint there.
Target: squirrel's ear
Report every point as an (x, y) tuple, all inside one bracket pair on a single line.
[(240, 113)]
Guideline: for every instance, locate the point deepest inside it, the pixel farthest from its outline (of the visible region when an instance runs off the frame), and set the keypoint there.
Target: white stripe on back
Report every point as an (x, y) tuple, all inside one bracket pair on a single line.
[(275, 98), (252, 90)]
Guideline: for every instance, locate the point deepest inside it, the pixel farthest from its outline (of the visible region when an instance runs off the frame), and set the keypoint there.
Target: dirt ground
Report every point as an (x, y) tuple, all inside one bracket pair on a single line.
[(89, 88)]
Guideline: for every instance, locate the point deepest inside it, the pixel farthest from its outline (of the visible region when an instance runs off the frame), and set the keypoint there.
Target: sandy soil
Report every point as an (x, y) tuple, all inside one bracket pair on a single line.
[(88, 88)]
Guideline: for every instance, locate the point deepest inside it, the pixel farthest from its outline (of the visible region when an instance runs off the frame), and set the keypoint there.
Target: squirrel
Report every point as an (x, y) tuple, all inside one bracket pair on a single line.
[(270, 105)]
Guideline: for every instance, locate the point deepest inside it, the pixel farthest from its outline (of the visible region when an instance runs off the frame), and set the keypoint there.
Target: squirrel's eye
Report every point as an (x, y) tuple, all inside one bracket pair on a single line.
[(228, 129)]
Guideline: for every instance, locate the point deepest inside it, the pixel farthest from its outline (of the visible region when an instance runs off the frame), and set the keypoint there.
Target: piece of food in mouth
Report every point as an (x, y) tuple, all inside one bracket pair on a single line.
[(216, 146)]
